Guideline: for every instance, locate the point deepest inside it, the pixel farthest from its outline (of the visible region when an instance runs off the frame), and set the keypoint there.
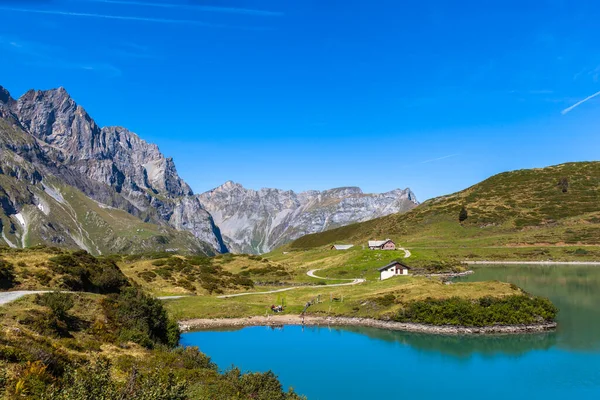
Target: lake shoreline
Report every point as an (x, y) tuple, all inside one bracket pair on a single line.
[(279, 320), (531, 262)]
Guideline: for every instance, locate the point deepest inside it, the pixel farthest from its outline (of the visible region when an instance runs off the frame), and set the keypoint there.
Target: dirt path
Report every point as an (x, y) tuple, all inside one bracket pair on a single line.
[(7, 297), (531, 262), (310, 273), (356, 281)]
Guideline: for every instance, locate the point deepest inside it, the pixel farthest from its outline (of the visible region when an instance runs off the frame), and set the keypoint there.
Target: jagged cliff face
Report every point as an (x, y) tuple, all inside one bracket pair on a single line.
[(66, 181), (46, 137), (258, 221)]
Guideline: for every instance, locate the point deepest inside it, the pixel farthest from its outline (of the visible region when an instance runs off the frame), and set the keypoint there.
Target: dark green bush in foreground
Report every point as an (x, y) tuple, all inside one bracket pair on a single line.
[(141, 318), (95, 382), (7, 275), (487, 311)]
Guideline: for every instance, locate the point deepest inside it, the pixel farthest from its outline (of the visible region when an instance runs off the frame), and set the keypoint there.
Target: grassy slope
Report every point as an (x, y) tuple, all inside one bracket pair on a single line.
[(525, 207), (360, 300), (26, 339), (69, 218), (34, 271), (77, 221), (225, 270)]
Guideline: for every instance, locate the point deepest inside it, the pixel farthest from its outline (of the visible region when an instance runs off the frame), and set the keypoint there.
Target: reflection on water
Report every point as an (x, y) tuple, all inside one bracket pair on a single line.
[(575, 290), (464, 346), (368, 363)]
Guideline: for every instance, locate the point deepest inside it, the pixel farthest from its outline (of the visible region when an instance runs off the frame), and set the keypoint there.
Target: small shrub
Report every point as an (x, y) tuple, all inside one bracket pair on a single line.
[(43, 277), (159, 263), (463, 214), (3, 378), (8, 278), (148, 276), (58, 321), (140, 318), (59, 303), (83, 272), (563, 184), (31, 380), (186, 284), (386, 300)]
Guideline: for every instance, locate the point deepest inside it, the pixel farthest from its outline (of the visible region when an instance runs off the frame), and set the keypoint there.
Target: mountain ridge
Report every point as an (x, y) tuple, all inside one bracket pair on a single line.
[(59, 155), (111, 165), (556, 204), (256, 221)]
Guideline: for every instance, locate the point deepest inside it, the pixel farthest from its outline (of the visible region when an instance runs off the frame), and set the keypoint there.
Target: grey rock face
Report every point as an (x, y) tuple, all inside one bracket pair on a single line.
[(111, 165), (254, 221)]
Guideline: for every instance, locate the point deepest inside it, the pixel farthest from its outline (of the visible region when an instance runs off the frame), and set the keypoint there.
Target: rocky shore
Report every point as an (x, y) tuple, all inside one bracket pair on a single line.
[(278, 320), (451, 274), (531, 262)]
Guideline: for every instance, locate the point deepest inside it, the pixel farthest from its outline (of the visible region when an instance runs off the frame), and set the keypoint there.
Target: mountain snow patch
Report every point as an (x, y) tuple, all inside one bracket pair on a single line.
[(21, 219), (43, 206)]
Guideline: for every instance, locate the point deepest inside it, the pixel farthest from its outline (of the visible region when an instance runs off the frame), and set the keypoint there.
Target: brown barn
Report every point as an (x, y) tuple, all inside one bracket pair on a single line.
[(386, 244)]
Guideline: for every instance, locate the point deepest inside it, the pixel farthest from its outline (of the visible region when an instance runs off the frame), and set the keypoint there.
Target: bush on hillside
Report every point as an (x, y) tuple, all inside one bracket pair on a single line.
[(83, 272), (140, 318), (487, 311), (257, 385), (59, 303), (463, 214), (8, 278), (187, 272), (94, 381), (56, 321)]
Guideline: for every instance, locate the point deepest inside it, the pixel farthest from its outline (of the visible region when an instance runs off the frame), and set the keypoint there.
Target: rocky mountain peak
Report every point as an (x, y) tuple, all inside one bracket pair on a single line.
[(257, 221), (5, 97), (230, 185), (343, 191), (112, 165)]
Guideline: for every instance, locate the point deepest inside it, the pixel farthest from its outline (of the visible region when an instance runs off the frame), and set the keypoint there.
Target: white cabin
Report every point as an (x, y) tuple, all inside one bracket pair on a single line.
[(393, 269)]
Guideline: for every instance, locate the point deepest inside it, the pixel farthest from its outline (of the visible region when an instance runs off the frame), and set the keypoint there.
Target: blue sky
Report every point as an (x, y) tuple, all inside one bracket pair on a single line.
[(433, 95)]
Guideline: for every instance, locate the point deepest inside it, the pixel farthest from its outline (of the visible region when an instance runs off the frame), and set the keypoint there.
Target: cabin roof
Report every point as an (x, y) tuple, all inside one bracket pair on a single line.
[(342, 246), (377, 243), (390, 265)]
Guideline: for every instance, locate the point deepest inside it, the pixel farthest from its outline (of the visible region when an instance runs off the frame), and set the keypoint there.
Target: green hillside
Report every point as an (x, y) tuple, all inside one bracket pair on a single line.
[(536, 207), (39, 209)]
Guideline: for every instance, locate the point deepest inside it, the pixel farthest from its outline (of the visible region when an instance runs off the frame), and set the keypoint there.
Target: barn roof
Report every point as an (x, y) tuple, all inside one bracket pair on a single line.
[(377, 243), (342, 246), (393, 263)]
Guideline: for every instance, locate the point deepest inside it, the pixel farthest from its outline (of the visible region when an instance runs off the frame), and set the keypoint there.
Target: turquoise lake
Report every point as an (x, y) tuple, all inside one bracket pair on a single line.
[(367, 363)]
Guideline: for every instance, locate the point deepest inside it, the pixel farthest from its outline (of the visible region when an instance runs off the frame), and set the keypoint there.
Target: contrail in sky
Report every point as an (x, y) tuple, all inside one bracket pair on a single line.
[(439, 158), (122, 17), (566, 110), (232, 10)]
